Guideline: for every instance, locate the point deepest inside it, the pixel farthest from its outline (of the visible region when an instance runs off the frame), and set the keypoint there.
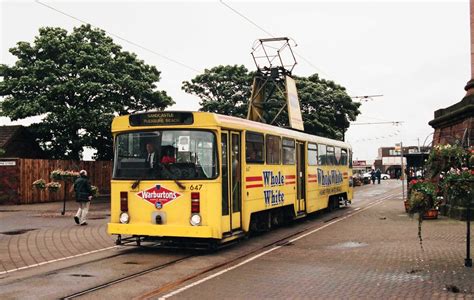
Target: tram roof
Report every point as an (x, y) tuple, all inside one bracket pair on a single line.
[(207, 119)]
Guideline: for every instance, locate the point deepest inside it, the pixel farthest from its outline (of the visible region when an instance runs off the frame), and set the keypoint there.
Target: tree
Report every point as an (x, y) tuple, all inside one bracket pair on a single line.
[(222, 89), (325, 106), (78, 82)]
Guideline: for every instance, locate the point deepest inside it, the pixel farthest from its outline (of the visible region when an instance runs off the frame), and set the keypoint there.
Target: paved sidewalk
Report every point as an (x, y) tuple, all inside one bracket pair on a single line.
[(36, 233), (374, 254)]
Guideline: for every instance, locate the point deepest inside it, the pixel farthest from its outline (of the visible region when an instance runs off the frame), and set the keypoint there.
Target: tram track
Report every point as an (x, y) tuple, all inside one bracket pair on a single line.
[(287, 240), (125, 278), (280, 242)]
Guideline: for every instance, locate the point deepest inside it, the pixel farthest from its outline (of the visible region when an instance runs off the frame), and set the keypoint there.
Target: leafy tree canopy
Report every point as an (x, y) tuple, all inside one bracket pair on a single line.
[(78, 81), (325, 106), (222, 89)]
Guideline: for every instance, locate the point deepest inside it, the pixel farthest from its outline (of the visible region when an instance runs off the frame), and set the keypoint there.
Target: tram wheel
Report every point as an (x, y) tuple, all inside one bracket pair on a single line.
[(118, 241), (138, 241)]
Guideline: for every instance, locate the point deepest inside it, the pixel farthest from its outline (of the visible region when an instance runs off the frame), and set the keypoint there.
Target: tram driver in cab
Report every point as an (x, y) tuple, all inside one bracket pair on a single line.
[(151, 157)]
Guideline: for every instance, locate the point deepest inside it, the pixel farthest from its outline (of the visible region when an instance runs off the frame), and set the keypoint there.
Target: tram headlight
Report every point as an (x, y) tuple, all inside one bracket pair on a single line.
[(195, 220), (124, 218)]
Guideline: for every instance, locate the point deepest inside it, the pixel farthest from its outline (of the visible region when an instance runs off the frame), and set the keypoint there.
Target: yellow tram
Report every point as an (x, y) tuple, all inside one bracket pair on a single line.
[(205, 177)]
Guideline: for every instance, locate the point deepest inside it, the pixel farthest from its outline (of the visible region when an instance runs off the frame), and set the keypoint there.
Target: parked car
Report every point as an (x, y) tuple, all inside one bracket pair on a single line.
[(382, 176)]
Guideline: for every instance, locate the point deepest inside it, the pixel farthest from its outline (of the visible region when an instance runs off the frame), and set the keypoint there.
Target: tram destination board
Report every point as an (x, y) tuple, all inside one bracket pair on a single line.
[(161, 118)]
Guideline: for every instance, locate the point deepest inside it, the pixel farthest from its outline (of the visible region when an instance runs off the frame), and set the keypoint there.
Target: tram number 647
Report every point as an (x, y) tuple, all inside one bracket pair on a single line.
[(195, 187)]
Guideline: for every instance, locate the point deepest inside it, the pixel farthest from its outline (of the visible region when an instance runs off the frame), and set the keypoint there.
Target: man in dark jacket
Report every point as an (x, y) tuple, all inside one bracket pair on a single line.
[(82, 188), (378, 174)]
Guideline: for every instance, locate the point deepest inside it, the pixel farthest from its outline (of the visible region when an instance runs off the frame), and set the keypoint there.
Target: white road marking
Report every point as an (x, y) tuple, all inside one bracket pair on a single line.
[(56, 260), (359, 210)]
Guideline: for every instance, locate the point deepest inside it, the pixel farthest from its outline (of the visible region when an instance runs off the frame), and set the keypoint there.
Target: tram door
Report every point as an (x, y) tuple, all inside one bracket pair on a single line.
[(300, 177), (231, 181)]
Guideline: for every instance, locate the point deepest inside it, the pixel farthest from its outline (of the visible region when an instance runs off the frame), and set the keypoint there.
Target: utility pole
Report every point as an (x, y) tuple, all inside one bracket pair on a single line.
[(402, 174)]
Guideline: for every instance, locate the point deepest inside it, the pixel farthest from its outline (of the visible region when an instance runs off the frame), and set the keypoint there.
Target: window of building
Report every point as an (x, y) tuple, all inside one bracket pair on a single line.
[(312, 154), (273, 150), (254, 147), (393, 152), (288, 152)]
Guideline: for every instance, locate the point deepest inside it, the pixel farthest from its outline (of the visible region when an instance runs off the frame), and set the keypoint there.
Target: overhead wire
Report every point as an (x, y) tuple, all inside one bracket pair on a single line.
[(120, 37), (391, 135), (270, 34), (246, 18)]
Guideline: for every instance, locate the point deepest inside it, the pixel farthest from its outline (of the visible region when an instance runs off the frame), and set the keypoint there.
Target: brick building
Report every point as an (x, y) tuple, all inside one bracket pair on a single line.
[(455, 123), (18, 142)]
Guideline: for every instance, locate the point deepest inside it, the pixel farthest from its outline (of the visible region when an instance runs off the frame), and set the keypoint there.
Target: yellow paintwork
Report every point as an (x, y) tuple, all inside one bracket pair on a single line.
[(178, 211)]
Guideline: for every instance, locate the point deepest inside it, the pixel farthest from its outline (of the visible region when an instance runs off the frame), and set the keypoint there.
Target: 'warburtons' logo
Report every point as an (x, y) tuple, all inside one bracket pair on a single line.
[(158, 195)]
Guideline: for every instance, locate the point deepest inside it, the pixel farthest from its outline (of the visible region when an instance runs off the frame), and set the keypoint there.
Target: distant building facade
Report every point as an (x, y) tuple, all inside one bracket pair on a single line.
[(362, 166), (389, 159)]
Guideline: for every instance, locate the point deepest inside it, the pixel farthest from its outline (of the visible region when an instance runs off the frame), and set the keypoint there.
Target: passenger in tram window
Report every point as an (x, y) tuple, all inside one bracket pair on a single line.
[(168, 156)]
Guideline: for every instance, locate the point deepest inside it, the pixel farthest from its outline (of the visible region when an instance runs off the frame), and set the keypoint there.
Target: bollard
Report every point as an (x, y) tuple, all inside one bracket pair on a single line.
[(468, 260)]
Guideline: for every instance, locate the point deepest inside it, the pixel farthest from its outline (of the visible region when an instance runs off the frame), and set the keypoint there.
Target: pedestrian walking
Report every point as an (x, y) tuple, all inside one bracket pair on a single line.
[(378, 174), (83, 190), (372, 176)]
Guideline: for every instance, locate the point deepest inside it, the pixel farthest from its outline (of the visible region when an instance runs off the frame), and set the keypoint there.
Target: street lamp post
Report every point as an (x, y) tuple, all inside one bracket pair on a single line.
[(468, 260)]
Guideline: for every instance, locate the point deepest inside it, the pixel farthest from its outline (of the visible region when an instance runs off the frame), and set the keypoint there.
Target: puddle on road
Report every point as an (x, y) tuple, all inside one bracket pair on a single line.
[(17, 232), (81, 275), (348, 245), (96, 218)]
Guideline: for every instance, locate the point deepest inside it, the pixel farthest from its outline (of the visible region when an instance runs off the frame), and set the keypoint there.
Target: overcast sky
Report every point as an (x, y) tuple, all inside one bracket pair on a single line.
[(414, 53)]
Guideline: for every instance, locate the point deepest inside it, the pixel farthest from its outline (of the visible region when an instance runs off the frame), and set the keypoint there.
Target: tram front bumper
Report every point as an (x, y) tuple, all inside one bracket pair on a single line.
[(145, 229)]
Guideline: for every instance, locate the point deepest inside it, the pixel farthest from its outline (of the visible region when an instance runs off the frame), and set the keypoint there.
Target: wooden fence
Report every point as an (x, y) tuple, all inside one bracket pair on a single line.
[(17, 177)]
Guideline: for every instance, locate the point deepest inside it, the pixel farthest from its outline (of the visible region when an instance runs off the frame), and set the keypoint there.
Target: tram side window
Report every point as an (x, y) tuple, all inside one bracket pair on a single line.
[(312, 154), (273, 150), (254, 147), (331, 159), (288, 150), (343, 161), (350, 158), (337, 156), (322, 158)]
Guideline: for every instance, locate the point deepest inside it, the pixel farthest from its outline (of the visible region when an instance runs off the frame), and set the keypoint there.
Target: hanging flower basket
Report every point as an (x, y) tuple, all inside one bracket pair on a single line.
[(95, 190), (40, 184), (53, 186), (70, 175), (407, 205), (60, 174), (56, 174), (431, 214)]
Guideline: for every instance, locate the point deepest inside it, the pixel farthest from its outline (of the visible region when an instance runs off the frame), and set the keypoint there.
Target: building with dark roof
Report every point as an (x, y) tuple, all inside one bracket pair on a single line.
[(18, 142)]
